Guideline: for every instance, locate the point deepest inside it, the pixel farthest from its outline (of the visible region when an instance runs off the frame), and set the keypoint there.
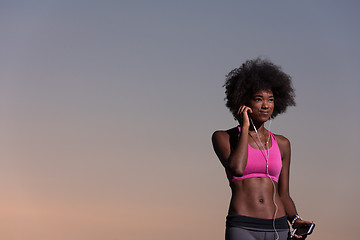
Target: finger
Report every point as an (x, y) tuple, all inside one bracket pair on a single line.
[(245, 112), (241, 109), (305, 223), (247, 109)]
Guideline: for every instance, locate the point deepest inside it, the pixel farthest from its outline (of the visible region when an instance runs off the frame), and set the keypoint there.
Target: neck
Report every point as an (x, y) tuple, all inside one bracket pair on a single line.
[(258, 125)]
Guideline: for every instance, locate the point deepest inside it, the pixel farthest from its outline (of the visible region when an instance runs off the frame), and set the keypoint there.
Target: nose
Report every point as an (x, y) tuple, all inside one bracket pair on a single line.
[(265, 105)]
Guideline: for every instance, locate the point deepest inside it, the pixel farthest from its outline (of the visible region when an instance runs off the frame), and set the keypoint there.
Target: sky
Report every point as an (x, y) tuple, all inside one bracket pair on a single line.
[(107, 110)]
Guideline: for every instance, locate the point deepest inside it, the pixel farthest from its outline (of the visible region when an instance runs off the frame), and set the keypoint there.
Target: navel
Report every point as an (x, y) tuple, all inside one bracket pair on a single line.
[(261, 200)]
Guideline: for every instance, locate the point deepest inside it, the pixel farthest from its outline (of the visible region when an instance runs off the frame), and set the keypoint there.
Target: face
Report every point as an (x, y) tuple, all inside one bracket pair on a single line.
[(262, 104)]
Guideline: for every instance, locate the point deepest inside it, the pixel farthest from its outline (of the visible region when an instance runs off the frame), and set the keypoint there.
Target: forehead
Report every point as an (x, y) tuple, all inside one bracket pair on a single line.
[(264, 92)]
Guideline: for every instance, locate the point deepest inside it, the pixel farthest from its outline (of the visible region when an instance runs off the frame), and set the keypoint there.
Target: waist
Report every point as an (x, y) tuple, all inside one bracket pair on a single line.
[(234, 179), (257, 223)]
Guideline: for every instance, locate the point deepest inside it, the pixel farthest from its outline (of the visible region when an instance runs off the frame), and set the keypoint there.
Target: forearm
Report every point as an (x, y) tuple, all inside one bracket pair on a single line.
[(289, 205)]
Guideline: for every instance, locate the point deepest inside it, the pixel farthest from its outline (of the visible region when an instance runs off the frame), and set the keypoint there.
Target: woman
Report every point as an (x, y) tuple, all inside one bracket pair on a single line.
[(256, 161)]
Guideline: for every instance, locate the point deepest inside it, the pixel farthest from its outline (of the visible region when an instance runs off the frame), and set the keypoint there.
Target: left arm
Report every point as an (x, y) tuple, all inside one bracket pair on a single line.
[(285, 149)]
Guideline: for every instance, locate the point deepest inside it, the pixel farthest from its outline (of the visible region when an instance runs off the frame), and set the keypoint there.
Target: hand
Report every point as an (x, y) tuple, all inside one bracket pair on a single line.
[(300, 223), (243, 116)]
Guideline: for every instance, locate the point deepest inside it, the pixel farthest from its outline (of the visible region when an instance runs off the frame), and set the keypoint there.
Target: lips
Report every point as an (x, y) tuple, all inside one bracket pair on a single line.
[(265, 112)]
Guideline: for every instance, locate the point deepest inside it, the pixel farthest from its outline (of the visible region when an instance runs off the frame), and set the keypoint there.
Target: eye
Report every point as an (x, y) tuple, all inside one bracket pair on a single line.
[(271, 100), (258, 99)]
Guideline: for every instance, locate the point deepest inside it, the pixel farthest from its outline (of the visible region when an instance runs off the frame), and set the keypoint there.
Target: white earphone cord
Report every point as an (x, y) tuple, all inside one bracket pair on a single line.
[(267, 173)]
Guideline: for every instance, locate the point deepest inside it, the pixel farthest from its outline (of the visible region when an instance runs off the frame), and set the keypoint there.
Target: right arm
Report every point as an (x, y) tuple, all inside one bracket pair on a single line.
[(234, 160)]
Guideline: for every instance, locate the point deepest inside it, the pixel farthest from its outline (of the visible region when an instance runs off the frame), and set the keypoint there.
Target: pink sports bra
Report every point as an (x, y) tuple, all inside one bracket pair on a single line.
[(256, 163)]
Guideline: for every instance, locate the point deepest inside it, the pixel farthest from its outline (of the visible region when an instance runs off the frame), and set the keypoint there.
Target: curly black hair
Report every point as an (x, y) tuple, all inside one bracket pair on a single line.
[(255, 75)]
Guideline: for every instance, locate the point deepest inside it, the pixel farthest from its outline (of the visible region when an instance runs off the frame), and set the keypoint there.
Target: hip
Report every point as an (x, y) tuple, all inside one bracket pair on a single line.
[(257, 223)]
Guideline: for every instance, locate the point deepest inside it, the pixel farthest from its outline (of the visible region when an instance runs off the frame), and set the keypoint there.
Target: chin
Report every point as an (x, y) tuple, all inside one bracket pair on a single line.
[(262, 118)]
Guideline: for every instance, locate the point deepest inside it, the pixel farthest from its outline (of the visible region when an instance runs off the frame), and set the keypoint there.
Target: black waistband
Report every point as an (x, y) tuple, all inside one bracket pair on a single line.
[(256, 223)]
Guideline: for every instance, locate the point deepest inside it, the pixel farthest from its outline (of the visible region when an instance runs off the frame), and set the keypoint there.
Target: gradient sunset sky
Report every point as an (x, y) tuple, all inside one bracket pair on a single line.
[(107, 110)]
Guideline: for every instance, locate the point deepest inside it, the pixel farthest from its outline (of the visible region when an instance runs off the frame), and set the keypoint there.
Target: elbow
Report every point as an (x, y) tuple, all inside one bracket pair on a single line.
[(285, 197), (237, 171), (237, 167)]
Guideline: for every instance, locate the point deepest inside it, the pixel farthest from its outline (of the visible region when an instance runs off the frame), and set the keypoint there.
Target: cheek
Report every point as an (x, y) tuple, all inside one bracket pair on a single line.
[(253, 105)]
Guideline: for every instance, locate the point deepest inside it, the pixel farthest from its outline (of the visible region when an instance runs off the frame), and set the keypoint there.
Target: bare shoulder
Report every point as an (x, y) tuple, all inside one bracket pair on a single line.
[(283, 142), (221, 140), (224, 135), (220, 135), (281, 139)]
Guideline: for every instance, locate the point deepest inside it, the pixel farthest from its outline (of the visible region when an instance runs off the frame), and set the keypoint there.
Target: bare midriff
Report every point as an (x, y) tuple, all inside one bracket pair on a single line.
[(253, 197)]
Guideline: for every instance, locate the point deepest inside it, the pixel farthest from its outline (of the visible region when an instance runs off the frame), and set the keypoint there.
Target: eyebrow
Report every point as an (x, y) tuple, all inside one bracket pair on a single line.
[(259, 95)]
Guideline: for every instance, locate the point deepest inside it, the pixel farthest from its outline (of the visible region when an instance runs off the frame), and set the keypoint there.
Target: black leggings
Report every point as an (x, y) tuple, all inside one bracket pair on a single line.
[(240, 227), (237, 233)]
